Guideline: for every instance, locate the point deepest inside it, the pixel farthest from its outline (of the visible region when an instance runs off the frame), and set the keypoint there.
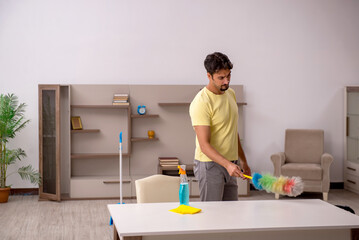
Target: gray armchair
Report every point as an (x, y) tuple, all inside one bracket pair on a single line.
[(304, 156)]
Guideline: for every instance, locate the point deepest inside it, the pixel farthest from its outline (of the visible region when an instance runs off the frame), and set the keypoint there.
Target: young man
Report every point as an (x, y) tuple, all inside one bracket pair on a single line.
[(214, 115)]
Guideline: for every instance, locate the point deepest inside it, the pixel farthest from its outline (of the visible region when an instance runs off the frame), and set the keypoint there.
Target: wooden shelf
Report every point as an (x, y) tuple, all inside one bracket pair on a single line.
[(241, 103), (101, 106), (96, 155), (116, 181), (164, 104), (143, 139), (189, 167), (145, 116), (85, 131)]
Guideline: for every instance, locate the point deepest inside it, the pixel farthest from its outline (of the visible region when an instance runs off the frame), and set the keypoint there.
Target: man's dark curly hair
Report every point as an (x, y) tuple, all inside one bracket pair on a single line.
[(217, 61)]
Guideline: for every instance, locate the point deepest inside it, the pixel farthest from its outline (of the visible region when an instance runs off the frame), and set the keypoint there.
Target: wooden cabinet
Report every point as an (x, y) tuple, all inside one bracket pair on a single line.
[(351, 140), (94, 149), (53, 141)]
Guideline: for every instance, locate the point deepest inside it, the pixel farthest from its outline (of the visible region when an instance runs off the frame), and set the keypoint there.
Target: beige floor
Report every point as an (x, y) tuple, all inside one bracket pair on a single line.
[(24, 217)]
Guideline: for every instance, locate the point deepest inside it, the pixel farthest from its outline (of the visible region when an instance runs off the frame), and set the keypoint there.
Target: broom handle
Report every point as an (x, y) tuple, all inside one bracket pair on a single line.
[(120, 163), (250, 177)]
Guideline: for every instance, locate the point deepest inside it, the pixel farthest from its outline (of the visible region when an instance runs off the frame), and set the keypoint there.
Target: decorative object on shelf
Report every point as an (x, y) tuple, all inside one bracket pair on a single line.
[(76, 123), (151, 134), (120, 99), (11, 122), (141, 109)]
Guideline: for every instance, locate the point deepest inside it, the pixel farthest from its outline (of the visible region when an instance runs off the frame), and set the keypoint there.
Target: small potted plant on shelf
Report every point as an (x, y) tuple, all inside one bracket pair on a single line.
[(11, 122)]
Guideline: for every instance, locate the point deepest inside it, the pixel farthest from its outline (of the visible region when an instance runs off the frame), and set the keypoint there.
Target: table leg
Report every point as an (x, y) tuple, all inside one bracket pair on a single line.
[(354, 234), (116, 237), (115, 234)]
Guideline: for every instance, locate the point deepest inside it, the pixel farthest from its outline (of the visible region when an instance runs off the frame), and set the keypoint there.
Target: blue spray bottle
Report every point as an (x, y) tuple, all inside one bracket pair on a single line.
[(184, 188)]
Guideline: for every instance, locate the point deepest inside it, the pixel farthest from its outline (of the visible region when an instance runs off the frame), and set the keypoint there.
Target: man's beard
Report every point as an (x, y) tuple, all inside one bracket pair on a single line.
[(224, 87)]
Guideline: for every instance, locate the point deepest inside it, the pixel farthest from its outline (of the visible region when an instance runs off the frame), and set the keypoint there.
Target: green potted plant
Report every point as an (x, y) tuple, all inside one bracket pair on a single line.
[(12, 120)]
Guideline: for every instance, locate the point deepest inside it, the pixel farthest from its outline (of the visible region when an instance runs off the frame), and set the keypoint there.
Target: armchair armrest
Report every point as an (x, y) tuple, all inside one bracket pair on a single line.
[(326, 160), (278, 159)]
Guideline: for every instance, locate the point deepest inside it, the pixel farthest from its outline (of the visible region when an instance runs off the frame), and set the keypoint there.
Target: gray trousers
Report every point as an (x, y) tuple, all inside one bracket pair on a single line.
[(215, 183)]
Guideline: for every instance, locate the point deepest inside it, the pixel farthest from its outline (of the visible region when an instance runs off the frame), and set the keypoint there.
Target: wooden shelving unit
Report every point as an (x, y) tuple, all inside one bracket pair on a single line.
[(88, 158), (137, 139)]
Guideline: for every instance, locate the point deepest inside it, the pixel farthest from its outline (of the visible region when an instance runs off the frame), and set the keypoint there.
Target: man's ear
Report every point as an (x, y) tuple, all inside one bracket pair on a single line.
[(209, 76)]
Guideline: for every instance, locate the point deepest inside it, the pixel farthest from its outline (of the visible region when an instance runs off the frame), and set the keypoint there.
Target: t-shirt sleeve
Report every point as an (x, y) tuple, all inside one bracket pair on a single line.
[(233, 94), (200, 113)]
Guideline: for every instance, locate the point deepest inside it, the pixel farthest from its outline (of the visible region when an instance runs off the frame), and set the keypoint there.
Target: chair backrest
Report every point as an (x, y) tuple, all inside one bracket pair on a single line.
[(157, 188), (304, 145)]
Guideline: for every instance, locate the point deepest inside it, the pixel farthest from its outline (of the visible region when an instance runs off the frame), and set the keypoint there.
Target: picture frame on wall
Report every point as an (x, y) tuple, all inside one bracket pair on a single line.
[(76, 123)]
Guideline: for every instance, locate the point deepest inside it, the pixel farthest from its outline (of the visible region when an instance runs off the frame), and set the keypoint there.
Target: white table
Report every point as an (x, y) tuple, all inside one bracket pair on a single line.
[(263, 219)]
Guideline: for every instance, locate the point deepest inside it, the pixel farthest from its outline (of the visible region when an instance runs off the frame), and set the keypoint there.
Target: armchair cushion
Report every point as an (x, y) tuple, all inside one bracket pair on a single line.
[(307, 171), (304, 145)]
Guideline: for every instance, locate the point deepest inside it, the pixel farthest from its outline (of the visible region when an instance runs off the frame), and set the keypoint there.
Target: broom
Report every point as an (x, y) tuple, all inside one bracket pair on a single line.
[(290, 186)]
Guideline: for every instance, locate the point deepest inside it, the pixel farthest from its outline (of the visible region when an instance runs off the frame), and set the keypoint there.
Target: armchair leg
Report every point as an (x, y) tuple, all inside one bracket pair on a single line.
[(277, 196), (325, 196)]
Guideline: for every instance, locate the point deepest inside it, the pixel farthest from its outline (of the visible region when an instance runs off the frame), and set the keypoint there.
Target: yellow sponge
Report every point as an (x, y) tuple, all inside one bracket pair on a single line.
[(184, 209)]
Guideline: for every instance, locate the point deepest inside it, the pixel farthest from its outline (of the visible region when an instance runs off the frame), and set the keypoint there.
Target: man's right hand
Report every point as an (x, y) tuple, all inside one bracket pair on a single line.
[(234, 170)]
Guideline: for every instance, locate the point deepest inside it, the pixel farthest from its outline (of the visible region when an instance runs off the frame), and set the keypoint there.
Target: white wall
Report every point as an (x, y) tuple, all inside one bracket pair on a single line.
[(293, 57)]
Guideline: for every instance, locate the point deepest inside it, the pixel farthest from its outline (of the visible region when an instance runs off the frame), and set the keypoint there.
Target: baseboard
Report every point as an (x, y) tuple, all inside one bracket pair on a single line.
[(24, 191), (35, 191), (337, 185)]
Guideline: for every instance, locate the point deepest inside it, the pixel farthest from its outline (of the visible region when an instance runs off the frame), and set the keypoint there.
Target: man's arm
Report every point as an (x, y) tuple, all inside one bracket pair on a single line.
[(242, 156), (204, 136)]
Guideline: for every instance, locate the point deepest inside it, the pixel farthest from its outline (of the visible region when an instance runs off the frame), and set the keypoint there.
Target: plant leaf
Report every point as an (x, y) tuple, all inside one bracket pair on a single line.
[(28, 173)]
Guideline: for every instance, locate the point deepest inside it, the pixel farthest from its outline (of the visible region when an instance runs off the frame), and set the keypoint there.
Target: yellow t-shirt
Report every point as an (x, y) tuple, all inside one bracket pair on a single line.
[(220, 112)]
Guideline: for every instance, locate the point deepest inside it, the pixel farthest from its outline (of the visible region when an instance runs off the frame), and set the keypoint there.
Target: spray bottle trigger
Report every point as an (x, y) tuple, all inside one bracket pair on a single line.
[(181, 171)]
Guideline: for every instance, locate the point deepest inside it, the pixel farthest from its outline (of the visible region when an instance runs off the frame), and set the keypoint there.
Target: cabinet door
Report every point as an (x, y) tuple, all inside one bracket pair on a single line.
[(49, 141), (352, 125)]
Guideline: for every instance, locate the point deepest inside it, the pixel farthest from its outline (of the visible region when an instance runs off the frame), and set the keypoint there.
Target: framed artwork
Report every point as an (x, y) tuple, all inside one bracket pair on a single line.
[(76, 123)]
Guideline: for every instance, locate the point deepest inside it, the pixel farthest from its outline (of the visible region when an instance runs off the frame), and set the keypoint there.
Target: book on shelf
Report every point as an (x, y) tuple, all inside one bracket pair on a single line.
[(120, 99), (120, 96), (169, 164), (167, 158), (168, 161), (121, 103)]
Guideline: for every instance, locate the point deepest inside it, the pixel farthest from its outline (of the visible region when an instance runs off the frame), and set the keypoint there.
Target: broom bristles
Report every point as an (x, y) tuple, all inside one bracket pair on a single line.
[(291, 186)]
